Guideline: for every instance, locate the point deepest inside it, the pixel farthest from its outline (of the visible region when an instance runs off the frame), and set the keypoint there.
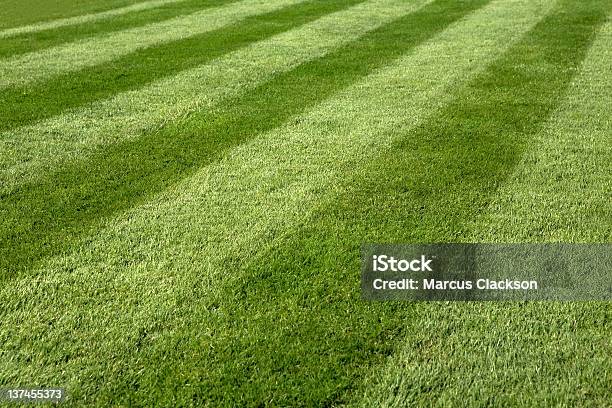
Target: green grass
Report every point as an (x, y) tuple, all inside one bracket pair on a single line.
[(87, 52), (327, 335), (28, 152), (33, 103), (37, 40), (45, 216), (215, 260), (21, 12)]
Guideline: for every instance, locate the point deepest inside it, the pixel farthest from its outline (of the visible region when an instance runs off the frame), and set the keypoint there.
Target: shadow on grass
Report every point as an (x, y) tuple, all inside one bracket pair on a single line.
[(46, 217)]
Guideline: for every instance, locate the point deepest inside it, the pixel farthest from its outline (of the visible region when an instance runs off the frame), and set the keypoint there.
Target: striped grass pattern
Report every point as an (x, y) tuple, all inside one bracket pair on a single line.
[(35, 103), (18, 13), (84, 19), (27, 149), (183, 199), (24, 41), (69, 57)]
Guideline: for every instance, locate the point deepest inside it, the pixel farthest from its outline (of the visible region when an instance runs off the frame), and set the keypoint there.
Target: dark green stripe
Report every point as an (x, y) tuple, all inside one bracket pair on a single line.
[(47, 216), (23, 105), (292, 329), (35, 41)]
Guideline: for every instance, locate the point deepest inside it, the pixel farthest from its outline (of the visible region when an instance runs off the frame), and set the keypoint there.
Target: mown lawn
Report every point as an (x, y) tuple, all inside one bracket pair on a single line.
[(185, 187)]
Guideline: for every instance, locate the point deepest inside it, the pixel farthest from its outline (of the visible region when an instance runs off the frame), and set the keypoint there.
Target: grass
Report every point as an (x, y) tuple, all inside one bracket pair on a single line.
[(36, 37), (47, 63), (34, 103), (572, 150), (215, 260), (30, 151), (13, 15), (44, 215), (344, 334)]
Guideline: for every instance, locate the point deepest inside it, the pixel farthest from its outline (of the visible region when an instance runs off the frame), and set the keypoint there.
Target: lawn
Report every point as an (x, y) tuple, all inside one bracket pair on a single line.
[(185, 187)]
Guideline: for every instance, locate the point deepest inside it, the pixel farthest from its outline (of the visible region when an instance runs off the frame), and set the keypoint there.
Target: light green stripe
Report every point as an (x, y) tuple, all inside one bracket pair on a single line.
[(30, 151), (139, 266), (562, 191), (76, 55), (87, 18)]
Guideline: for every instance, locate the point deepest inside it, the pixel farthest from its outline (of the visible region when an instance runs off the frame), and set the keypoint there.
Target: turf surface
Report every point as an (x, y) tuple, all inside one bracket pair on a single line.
[(22, 40), (16, 13), (206, 251)]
